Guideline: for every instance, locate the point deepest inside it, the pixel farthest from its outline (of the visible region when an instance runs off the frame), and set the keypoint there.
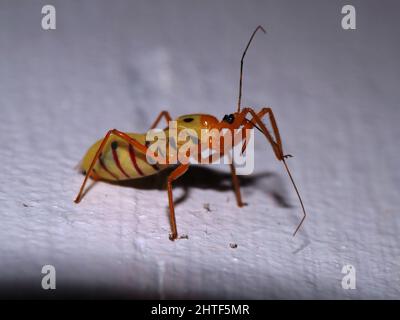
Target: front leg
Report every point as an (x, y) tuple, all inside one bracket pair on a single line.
[(277, 147), (274, 140)]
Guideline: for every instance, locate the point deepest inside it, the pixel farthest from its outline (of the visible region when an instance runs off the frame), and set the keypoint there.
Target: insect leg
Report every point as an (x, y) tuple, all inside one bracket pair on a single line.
[(265, 111), (235, 181), (275, 143), (236, 185), (277, 146), (164, 114), (179, 171), (118, 133)]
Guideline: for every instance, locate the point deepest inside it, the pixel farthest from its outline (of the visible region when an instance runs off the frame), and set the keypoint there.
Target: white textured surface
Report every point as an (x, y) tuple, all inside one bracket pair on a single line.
[(336, 97)]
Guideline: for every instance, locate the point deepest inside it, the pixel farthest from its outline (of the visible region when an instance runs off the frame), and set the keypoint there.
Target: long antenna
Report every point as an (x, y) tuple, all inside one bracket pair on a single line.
[(298, 195), (241, 65)]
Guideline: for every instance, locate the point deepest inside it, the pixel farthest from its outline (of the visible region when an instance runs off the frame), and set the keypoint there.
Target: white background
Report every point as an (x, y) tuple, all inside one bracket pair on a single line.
[(335, 94)]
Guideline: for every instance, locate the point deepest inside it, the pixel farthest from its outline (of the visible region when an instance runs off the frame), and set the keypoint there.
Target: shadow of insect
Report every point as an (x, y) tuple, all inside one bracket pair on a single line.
[(207, 178)]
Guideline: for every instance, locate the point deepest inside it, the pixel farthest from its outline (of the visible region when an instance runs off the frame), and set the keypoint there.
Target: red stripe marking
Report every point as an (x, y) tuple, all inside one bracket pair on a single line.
[(103, 165), (116, 160), (133, 158), (155, 166)]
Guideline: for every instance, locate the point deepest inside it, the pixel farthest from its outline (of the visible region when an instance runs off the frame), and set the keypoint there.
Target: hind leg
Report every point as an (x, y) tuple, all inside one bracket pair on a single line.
[(179, 171), (90, 172)]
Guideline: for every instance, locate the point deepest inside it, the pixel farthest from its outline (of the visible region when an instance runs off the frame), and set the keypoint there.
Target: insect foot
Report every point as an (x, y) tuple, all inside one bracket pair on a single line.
[(288, 156), (173, 236)]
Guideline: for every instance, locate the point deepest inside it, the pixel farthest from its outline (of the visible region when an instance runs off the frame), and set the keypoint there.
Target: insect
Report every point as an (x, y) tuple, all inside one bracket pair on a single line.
[(121, 156)]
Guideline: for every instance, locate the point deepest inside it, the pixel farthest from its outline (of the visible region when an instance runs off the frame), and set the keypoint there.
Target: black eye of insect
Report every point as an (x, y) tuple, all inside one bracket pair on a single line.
[(188, 119), (229, 118)]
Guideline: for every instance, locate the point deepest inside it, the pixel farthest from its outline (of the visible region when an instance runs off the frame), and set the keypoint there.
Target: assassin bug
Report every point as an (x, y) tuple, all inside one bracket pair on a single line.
[(121, 156)]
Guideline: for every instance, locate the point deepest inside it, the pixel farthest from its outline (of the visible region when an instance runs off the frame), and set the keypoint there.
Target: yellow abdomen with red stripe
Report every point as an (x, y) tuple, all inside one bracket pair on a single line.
[(119, 160)]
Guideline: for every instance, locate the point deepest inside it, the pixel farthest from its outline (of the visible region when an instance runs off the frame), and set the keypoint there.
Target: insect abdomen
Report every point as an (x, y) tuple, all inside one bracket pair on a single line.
[(119, 160)]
